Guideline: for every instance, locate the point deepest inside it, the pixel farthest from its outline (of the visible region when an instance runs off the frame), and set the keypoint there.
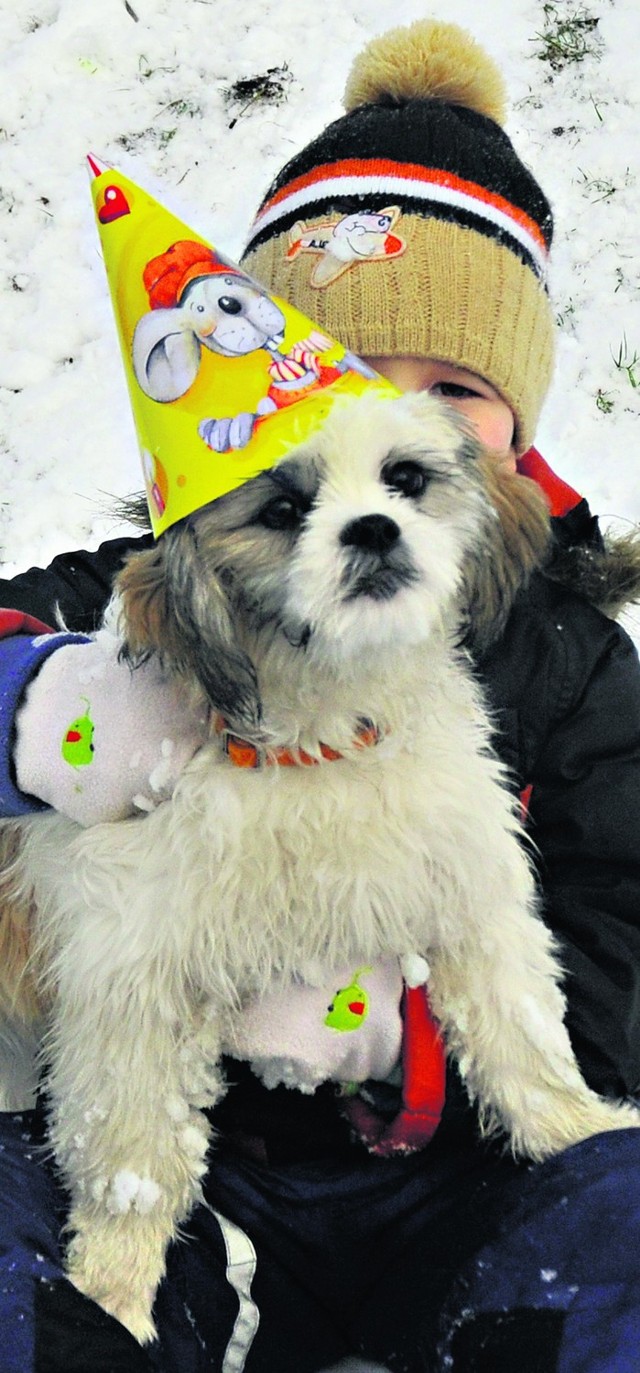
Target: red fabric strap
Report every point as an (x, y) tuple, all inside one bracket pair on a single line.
[(561, 497), (16, 622), (423, 1086)]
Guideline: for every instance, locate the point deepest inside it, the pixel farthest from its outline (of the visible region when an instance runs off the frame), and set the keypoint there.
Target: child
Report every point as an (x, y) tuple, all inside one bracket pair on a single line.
[(411, 231)]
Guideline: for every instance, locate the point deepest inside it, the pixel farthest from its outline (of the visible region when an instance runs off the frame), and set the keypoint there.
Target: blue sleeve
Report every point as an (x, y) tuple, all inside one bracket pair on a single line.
[(20, 658)]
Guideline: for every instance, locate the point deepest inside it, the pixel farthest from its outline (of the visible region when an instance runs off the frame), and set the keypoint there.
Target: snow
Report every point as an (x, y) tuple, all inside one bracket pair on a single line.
[(129, 1192), (177, 1108), (415, 970), (194, 1141), (162, 773), (148, 94)]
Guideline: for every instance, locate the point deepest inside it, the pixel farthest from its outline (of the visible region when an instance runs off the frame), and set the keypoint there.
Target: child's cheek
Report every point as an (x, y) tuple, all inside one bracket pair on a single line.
[(494, 426)]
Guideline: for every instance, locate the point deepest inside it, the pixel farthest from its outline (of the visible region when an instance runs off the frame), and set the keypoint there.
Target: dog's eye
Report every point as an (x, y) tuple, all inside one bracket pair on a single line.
[(281, 513), (407, 478), (230, 305)]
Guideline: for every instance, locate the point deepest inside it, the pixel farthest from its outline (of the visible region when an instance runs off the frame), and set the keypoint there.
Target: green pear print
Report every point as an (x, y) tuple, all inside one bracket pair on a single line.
[(77, 743), (350, 1005)]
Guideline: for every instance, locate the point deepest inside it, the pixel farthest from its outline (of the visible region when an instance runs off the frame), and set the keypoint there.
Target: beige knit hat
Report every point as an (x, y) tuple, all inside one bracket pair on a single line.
[(411, 227)]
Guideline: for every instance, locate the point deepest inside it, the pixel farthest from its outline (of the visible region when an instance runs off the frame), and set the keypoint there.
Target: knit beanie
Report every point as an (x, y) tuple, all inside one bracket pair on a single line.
[(410, 226)]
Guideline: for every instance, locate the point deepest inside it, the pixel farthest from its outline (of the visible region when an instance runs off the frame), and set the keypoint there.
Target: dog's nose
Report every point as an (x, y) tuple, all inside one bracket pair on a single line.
[(375, 532)]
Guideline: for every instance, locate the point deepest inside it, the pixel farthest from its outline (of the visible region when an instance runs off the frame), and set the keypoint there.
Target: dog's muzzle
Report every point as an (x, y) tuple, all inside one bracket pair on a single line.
[(378, 564)]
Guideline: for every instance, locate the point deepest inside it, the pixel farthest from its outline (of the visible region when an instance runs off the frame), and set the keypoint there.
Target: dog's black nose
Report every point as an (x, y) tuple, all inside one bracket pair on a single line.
[(375, 532)]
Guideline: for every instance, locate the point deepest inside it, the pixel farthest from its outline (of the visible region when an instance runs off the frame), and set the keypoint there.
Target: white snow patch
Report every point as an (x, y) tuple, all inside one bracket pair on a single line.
[(177, 1108), (95, 1113), (130, 1192), (161, 774), (194, 1141), (98, 1188), (149, 1194), (415, 970)]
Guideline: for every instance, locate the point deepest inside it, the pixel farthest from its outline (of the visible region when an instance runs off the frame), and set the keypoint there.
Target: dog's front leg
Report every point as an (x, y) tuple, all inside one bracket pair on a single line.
[(498, 999), (125, 1087)]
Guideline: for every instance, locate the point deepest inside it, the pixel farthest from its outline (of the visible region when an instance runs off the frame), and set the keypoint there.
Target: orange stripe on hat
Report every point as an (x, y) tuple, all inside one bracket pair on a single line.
[(407, 172)]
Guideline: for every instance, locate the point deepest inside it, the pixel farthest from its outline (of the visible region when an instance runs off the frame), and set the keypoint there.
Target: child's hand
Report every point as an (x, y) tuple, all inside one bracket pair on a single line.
[(98, 740)]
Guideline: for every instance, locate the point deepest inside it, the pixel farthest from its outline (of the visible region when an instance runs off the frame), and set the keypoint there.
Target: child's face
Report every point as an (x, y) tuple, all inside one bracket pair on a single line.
[(465, 391)]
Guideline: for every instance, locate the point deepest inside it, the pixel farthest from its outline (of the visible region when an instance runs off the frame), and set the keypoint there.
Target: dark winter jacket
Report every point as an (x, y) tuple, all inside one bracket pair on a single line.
[(563, 680)]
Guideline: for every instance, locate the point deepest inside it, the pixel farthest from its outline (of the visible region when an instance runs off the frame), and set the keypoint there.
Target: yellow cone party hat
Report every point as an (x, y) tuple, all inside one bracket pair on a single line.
[(224, 379)]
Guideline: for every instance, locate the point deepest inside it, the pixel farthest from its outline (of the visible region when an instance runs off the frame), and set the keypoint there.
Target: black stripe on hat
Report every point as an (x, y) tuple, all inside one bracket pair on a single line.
[(431, 134)]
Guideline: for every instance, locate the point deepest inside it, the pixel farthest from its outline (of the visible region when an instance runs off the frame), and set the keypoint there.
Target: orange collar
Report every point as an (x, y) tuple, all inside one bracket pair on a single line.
[(244, 754)]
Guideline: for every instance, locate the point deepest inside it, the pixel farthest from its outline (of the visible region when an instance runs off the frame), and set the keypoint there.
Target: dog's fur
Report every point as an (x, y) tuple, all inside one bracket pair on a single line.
[(325, 591)]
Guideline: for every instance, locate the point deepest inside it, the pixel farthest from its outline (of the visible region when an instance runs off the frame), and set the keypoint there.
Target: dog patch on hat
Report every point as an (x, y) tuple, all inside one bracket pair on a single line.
[(361, 237)]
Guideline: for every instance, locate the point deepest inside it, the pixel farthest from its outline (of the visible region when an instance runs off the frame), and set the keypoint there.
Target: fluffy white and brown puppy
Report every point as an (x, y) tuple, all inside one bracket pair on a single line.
[(323, 594)]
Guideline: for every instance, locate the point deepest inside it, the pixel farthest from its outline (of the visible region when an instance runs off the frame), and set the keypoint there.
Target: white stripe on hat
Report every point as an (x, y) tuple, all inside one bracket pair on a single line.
[(387, 187)]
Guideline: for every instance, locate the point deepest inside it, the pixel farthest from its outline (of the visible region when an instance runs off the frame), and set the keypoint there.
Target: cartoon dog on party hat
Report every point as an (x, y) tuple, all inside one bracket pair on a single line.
[(224, 379), (198, 300)]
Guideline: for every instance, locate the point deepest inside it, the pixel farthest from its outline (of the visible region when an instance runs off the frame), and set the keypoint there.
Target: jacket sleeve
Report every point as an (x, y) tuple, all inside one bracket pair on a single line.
[(585, 821), (75, 586), (25, 643)]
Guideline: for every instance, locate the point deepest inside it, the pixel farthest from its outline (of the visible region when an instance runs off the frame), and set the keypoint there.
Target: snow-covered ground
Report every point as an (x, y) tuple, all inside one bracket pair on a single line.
[(144, 83)]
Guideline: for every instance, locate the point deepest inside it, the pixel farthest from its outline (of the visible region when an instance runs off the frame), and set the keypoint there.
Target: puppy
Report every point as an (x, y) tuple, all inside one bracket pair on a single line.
[(318, 607)]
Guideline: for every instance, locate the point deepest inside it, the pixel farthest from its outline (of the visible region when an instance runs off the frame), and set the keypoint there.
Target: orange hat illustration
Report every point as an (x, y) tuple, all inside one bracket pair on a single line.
[(224, 379), (166, 277)]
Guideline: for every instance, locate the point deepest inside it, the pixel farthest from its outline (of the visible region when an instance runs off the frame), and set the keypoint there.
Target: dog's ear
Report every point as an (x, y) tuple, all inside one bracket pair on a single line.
[(516, 541), (173, 605)]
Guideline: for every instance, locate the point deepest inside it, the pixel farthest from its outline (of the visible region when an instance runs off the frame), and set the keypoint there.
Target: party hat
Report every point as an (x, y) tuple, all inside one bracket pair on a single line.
[(224, 379)]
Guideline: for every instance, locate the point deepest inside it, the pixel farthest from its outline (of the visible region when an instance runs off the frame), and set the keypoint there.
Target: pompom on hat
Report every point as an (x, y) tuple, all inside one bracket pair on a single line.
[(224, 378), (410, 226)]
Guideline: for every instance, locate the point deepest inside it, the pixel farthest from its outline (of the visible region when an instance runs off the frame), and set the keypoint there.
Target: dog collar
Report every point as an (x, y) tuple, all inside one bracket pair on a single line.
[(243, 754)]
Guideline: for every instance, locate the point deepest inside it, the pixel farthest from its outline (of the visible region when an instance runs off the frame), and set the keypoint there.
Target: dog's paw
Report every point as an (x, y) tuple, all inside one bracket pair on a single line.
[(136, 1316), (118, 1265), (614, 1115), (133, 1313), (574, 1118)]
